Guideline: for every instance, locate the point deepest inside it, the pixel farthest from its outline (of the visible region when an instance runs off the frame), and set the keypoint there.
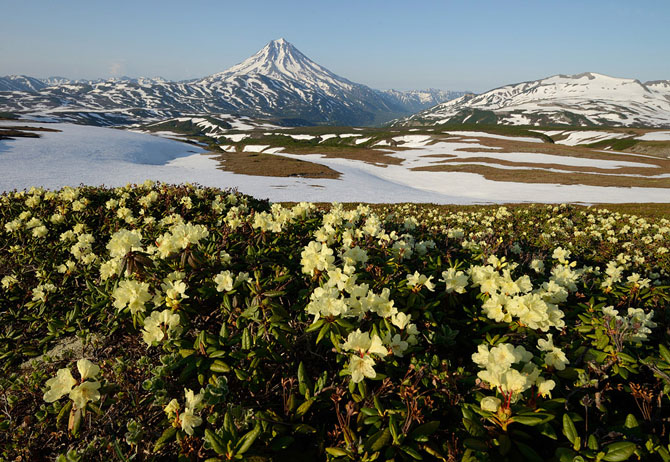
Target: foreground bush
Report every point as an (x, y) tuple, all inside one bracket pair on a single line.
[(210, 325)]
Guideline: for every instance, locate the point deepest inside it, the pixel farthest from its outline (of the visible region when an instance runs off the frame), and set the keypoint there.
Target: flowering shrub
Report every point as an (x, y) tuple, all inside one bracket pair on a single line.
[(226, 328)]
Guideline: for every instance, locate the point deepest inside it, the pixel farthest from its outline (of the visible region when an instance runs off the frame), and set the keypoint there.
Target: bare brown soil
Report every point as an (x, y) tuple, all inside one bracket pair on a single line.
[(654, 148), (542, 176), (26, 128), (259, 164), (9, 132), (652, 170), (529, 172), (646, 209)]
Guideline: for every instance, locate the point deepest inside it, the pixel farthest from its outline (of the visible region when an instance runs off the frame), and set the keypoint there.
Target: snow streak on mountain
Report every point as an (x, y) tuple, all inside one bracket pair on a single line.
[(278, 82), (587, 99)]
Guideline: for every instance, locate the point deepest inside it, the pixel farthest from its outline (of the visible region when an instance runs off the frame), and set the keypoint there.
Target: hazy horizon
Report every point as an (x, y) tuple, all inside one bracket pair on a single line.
[(384, 45)]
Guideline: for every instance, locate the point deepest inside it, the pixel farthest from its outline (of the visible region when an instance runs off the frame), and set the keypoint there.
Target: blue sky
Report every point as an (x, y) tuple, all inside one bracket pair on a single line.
[(460, 45)]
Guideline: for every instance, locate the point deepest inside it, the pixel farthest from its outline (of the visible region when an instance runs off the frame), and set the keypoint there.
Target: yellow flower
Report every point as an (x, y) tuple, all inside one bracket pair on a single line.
[(124, 241), (490, 404), (361, 367), (544, 387), (361, 363), (362, 344), (418, 280), (82, 394), (87, 369), (158, 324), (172, 408), (224, 281), (189, 420), (59, 385), (132, 294), (193, 401)]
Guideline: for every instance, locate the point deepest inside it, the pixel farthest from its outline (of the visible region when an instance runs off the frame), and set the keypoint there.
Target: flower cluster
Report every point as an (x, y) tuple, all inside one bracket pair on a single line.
[(159, 325), (179, 237), (635, 326), (365, 348), (510, 370), (131, 294), (187, 419), (297, 318)]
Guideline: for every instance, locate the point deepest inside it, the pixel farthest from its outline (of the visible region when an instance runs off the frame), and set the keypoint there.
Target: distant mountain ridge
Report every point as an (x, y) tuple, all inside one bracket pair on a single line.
[(587, 99), (21, 83), (278, 82)]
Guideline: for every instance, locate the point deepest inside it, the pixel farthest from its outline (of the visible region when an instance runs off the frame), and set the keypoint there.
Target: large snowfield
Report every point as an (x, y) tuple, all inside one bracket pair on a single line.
[(95, 156)]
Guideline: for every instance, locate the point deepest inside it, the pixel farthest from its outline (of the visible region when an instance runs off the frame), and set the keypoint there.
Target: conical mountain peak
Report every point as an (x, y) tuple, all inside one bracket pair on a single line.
[(280, 60), (280, 42)]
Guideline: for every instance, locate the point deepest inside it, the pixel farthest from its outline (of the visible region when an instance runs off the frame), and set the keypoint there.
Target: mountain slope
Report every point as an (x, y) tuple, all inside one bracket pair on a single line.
[(278, 82), (20, 83), (417, 100), (583, 99)]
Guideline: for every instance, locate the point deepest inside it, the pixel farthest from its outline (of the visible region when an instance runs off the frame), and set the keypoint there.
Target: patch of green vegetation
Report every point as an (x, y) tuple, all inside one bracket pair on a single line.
[(186, 127), (615, 144), (474, 116), (285, 140), (8, 116), (213, 326), (275, 140)]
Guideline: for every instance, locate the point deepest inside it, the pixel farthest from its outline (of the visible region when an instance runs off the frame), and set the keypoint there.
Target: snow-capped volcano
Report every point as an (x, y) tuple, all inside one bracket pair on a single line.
[(281, 60), (279, 82), (582, 99)]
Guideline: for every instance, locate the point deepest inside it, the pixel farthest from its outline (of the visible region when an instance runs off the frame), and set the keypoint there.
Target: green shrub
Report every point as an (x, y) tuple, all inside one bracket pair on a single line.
[(226, 328)]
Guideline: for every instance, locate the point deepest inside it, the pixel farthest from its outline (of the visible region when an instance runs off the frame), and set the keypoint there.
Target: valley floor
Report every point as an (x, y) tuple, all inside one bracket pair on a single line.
[(364, 165)]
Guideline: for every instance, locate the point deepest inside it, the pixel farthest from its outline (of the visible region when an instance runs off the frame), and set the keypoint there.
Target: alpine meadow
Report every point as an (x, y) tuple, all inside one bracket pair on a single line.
[(466, 259)]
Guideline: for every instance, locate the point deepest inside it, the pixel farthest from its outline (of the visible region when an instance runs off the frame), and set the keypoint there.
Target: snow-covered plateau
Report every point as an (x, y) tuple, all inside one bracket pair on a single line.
[(95, 156)]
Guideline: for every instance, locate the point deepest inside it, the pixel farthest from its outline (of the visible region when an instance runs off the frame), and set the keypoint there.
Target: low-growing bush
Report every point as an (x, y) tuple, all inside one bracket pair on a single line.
[(158, 322)]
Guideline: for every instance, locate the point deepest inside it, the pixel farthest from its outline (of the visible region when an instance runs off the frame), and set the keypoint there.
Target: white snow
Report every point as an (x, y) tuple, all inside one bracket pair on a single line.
[(412, 141), (397, 184), (596, 97), (227, 147), (419, 157), (349, 135), (550, 133), (255, 147), (361, 140), (206, 124), (240, 124), (92, 155), (328, 136), (491, 135), (557, 170), (302, 137), (517, 119), (587, 137), (236, 137), (655, 136), (166, 133)]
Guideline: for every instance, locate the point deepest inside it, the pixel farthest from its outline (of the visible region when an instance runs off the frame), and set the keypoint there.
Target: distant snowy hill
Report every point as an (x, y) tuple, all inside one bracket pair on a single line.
[(417, 100), (278, 82), (587, 99), (20, 83)]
